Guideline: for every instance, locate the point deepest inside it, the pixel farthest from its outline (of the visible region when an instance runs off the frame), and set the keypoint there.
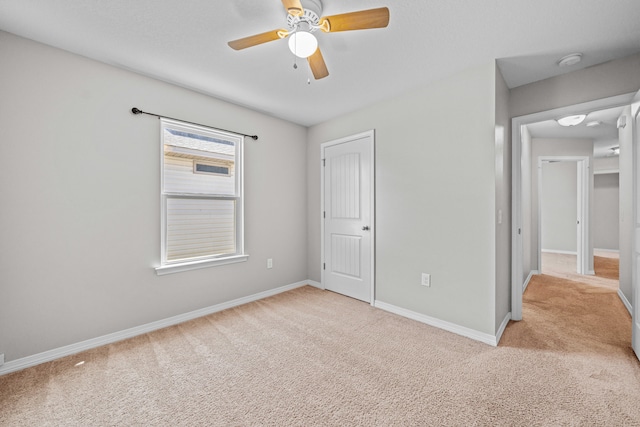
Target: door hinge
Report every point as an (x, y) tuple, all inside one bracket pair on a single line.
[(324, 266), (324, 214), (519, 230), (323, 162)]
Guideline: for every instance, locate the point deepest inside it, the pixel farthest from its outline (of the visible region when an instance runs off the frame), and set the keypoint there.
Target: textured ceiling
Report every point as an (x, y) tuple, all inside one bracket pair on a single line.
[(185, 42)]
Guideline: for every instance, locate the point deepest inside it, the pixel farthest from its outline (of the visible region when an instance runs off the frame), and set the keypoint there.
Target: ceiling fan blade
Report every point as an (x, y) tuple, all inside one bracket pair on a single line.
[(318, 66), (293, 7), (257, 39), (361, 20)]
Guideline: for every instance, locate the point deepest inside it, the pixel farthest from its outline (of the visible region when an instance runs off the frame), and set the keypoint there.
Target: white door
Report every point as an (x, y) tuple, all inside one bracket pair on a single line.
[(635, 269), (348, 233)]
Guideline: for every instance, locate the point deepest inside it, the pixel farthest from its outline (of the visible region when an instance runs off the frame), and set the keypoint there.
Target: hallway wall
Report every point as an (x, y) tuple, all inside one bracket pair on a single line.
[(606, 196)]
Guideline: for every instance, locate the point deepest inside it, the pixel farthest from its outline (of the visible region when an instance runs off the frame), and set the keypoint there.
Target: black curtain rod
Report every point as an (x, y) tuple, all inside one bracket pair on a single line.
[(135, 110)]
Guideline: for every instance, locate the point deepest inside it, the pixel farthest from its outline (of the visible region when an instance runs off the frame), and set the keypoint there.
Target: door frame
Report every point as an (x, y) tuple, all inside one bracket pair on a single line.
[(635, 246), (367, 134), (583, 236), (517, 282)]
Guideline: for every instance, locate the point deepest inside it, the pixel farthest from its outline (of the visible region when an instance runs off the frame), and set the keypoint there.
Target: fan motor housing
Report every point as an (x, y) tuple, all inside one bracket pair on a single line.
[(311, 15)]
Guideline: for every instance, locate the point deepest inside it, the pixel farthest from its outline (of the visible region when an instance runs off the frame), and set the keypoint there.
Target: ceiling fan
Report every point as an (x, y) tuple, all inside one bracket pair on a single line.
[(302, 22)]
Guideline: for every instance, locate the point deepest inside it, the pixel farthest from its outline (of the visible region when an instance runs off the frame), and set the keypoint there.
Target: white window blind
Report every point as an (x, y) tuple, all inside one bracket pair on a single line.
[(202, 212)]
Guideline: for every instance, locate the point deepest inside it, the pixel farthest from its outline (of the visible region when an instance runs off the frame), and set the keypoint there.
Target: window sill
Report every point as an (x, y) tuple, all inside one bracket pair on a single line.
[(194, 265)]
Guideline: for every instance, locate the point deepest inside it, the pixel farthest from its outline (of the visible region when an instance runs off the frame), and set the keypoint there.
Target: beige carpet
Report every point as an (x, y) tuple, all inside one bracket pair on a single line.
[(606, 267), (310, 357)]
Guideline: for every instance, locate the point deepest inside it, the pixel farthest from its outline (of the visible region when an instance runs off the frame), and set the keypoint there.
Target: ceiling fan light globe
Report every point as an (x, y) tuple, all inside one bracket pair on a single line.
[(303, 44)]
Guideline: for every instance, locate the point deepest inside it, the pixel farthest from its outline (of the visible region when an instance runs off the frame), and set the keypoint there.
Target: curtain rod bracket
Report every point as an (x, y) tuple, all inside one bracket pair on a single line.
[(135, 110)]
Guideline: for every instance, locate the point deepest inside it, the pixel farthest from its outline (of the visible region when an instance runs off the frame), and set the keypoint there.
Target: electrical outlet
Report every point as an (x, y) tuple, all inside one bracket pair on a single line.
[(1, 359), (269, 263), (426, 279)]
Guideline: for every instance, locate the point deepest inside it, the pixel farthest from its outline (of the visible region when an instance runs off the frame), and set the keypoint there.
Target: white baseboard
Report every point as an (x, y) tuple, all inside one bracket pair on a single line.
[(68, 350), (441, 324), (528, 279), (615, 251), (626, 302), (502, 327), (315, 284), (558, 251)]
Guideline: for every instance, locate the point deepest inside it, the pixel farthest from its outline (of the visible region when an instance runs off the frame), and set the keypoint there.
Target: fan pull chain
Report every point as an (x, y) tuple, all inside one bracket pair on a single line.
[(295, 57)]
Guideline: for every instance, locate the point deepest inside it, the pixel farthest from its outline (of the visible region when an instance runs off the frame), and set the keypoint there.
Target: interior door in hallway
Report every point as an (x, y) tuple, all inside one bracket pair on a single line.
[(348, 217)]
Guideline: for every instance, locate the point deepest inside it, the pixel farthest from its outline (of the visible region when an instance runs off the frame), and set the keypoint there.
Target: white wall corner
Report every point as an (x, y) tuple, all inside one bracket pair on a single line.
[(625, 301), (316, 284), (441, 324), (68, 350)]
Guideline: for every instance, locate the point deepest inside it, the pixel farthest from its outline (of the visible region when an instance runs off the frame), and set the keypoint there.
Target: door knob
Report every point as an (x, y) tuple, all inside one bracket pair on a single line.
[(365, 228)]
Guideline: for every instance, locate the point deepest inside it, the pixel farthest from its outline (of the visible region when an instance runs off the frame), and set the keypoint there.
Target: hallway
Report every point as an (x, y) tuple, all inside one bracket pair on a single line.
[(606, 265), (569, 312)]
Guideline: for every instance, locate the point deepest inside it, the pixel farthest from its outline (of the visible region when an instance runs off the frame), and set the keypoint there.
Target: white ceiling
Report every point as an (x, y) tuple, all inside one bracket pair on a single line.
[(185, 42), (604, 135)]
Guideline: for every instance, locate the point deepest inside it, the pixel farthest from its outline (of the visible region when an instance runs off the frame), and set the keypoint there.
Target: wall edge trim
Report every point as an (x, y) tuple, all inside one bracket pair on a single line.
[(625, 301), (440, 324), (502, 327), (528, 279), (68, 350), (316, 284)]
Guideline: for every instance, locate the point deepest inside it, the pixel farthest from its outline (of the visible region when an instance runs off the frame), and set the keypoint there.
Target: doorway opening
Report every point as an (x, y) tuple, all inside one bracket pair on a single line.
[(563, 188), (525, 250)]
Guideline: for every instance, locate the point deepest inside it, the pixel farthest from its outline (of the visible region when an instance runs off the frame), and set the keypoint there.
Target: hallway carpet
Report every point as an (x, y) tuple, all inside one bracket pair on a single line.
[(607, 267), (314, 358)]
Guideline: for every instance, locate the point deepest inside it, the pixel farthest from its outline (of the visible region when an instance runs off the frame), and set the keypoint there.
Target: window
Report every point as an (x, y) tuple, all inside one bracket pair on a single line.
[(200, 166), (202, 218)]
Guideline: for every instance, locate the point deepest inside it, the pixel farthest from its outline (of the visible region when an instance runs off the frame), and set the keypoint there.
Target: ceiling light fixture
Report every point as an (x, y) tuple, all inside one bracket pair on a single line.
[(571, 59), (572, 120), (593, 123), (303, 44)]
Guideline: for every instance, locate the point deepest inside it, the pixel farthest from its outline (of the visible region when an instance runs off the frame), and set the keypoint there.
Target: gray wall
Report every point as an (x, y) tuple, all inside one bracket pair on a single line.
[(625, 136), (606, 196), (612, 78), (435, 196), (80, 217), (558, 207), (557, 147), (608, 164)]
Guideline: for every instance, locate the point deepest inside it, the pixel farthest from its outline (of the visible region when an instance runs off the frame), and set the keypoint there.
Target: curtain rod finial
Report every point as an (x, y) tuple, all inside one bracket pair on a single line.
[(134, 110), (254, 137)]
